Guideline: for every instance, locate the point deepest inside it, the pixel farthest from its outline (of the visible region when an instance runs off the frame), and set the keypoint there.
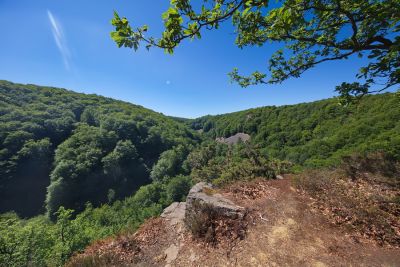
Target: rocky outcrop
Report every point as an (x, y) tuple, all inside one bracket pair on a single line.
[(202, 195), (175, 213), (234, 139), (283, 230), (203, 214)]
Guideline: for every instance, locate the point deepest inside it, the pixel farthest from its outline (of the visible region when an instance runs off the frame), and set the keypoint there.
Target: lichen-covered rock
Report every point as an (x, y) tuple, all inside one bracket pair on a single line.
[(202, 195)]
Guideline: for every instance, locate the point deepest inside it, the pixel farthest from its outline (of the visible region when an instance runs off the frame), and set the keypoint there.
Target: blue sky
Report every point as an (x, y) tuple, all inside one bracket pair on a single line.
[(66, 43)]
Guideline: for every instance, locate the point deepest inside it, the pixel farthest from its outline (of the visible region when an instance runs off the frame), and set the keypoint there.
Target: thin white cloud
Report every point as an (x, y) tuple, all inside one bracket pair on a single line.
[(60, 39)]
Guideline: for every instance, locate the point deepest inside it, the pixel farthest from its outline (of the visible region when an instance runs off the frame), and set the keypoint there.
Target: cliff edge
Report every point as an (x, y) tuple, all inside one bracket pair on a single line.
[(261, 223)]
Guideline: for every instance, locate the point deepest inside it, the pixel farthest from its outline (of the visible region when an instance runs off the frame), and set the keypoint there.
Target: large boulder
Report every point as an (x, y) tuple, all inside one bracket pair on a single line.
[(212, 217), (203, 196), (208, 215)]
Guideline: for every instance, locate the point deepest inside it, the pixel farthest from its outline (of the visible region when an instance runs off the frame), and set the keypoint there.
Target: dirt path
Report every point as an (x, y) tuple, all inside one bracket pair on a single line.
[(292, 234), (284, 231)]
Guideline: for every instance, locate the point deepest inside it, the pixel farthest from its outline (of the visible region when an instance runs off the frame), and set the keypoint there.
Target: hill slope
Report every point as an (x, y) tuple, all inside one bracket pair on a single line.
[(283, 229), (112, 164), (72, 140), (317, 133), (82, 147)]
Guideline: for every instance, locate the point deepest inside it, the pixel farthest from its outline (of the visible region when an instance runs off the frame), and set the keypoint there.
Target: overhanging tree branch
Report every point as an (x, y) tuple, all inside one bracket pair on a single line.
[(314, 31)]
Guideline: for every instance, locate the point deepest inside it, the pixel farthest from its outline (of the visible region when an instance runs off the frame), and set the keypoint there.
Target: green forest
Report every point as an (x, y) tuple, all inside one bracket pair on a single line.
[(314, 134), (67, 148), (75, 168)]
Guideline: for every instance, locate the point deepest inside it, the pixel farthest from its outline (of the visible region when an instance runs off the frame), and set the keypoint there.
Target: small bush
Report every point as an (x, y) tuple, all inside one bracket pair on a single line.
[(208, 224), (178, 188), (221, 164)]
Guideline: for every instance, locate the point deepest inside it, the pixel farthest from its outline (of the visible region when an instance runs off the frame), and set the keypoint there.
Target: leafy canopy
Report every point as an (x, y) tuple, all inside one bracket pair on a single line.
[(313, 32), (67, 149)]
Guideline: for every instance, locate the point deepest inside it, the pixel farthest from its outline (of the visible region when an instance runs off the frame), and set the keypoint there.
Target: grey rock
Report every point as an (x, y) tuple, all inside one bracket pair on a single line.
[(202, 195), (175, 213), (234, 139)]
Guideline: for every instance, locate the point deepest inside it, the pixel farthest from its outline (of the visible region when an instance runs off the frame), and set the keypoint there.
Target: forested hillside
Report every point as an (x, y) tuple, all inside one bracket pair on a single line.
[(75, 168), (66, 149), (315, 134), (61, 148)]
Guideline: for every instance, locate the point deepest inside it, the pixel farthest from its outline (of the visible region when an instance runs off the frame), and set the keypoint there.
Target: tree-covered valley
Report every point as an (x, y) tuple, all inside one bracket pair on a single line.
[(314, 134), (60, 148), (75, 168)]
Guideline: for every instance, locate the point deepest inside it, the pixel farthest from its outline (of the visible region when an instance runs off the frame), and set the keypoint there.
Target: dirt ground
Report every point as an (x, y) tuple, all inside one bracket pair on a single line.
[(283, 230)]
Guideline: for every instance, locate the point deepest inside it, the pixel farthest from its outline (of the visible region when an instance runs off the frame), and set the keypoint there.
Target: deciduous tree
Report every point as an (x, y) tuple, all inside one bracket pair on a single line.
[(313, 32)]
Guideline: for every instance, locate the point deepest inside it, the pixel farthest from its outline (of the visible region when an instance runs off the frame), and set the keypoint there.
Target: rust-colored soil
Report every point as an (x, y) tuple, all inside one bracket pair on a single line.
[(283, 230)]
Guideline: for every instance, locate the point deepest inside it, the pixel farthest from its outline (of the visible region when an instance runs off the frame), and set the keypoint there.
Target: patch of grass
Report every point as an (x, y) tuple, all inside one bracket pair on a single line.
[(209, 191)]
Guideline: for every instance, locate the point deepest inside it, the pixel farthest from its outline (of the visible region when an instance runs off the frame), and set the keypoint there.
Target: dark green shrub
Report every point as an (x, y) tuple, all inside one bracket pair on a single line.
[(178, 188)]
